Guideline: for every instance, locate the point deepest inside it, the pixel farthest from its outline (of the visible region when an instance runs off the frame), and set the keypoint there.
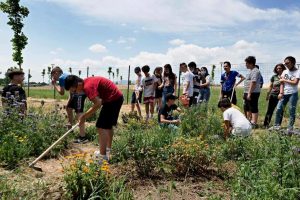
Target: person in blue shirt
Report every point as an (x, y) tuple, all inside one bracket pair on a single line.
[(75, 101), (228, 82)]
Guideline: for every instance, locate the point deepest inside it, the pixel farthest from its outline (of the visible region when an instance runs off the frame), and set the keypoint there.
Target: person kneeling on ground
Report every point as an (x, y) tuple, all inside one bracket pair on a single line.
[(75, 102), (235, 122), (165, 117), (103, 93)]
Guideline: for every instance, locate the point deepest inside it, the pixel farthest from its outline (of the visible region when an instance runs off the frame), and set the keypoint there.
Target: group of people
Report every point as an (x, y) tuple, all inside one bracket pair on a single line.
[(159, 89)]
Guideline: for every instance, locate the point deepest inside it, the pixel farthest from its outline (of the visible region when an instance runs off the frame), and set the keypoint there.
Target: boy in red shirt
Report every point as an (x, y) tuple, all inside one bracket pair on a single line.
[(102, 92)]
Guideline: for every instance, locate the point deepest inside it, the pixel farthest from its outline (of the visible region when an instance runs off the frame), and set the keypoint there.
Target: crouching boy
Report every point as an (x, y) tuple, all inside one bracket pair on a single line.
[(165, 116), (235, 122)]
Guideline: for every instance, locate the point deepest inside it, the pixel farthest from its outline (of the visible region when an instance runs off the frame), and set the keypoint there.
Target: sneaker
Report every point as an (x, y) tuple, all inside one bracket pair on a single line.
[(274, 128), (81, 140), (97, 154)]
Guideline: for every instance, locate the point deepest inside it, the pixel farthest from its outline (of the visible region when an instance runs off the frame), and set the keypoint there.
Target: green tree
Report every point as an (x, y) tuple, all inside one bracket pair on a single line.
[(43, 75), (121, 78), (109, 71), (113, 75), (213, 73), (70, 70), (16, 13), (79, 73)]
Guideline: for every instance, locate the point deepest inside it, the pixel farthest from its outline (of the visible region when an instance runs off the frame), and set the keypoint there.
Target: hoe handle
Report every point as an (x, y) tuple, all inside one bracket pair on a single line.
[(57, 141)]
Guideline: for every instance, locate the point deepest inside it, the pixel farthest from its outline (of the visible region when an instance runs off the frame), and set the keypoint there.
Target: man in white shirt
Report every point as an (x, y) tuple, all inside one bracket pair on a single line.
[(235, 122), (188, 82)]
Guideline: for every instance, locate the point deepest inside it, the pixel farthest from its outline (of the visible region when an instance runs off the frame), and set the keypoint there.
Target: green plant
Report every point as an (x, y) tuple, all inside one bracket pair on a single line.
[(88, 180)]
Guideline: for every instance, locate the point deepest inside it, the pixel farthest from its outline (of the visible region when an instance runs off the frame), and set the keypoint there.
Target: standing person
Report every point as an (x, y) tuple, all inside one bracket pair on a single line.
[(75, 102), (228, 79), (103, 93), (137, 94), (158, 91), (235, 122), (204, 86), (273, 92), (197, 81), (169, 84), (252, 91), (148, 84), (188, 82), (288, 93), (13, 95)]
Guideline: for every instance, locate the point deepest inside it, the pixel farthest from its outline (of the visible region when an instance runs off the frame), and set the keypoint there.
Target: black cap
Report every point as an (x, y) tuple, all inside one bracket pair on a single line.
[(171, 96)]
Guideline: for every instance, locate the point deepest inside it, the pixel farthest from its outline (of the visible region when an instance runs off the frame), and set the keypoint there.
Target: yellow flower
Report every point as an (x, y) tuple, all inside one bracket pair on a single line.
[(85, 169)]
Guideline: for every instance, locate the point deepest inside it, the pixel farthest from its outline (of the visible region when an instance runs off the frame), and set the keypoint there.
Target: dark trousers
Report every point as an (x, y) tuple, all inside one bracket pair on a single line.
[(271, 107), (227, 94)]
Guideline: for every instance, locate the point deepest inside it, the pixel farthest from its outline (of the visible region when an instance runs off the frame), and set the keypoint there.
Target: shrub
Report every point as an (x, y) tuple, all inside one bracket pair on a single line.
[(22, 137), (88, 180)]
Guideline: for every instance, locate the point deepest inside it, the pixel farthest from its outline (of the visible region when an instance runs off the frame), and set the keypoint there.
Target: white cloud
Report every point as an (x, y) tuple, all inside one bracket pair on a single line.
[(109, 41), (179, 16), (56, 51), (177, 42), (124, 40), (97, 48)]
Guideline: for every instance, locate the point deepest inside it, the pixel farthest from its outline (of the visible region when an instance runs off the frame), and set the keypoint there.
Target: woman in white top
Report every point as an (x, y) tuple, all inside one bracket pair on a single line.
[(288, 93)]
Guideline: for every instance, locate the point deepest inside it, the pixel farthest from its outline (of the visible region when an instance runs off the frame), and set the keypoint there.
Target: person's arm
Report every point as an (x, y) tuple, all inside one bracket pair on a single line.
[(165, 121), (292, 82), (97, 104), (175, 86), (281, 91), (178, 109), (242, 78), (269, 91), (58, 88), (187, 87), (227, 128), (206, 84)]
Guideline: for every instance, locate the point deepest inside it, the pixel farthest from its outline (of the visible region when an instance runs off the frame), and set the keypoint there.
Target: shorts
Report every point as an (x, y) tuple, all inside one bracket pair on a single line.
[(252, 105), (158, 93), (109, 114), (148, 99), (76, 102), (134, 99), (241, 132)]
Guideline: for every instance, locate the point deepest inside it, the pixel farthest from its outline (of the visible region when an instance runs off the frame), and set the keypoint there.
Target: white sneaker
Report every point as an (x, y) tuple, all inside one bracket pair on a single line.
[(97, 154), (274, 128)]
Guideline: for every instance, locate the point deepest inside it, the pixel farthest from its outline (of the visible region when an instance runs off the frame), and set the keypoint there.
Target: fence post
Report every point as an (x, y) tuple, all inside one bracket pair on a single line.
[(28, 82), (128, 84), (179, 77)]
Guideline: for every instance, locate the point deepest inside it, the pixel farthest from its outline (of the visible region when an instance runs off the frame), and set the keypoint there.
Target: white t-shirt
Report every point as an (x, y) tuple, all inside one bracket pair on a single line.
[(236, 119), (290, 75), (148, 85), (188, 77), (138, 84)]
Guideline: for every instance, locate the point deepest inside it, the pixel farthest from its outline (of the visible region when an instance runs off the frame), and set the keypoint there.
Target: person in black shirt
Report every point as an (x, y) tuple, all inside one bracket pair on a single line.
[(13, 94), (165, 116), (197, 81)]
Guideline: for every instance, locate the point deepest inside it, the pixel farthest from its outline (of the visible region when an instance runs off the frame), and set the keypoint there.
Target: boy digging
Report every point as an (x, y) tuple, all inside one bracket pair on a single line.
[(103, 93), (75, 101)]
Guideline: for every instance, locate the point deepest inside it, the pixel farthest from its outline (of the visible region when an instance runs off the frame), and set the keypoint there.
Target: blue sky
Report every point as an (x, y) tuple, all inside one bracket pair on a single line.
[(102, 33)]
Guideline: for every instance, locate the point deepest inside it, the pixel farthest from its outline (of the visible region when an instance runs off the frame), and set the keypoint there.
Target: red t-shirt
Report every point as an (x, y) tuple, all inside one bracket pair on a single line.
[(101, 87)]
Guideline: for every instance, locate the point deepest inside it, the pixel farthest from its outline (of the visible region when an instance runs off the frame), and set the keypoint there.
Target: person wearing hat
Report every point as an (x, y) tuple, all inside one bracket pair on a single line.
[(13, 95), (165, 117)]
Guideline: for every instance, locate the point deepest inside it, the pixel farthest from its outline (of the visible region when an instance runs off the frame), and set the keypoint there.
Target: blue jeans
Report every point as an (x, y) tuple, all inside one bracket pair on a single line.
[(292, 98), (204, 95), (166, 90)]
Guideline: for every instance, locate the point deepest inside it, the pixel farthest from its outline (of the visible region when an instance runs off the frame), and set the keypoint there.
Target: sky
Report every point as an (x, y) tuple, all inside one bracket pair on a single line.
[(103, 33)]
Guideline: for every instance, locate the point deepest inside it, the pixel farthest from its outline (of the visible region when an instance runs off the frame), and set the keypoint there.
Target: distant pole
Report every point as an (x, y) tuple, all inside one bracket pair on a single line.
[(128, 84), (28, 83), (179, 81), (54, 92), (87, 71)]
